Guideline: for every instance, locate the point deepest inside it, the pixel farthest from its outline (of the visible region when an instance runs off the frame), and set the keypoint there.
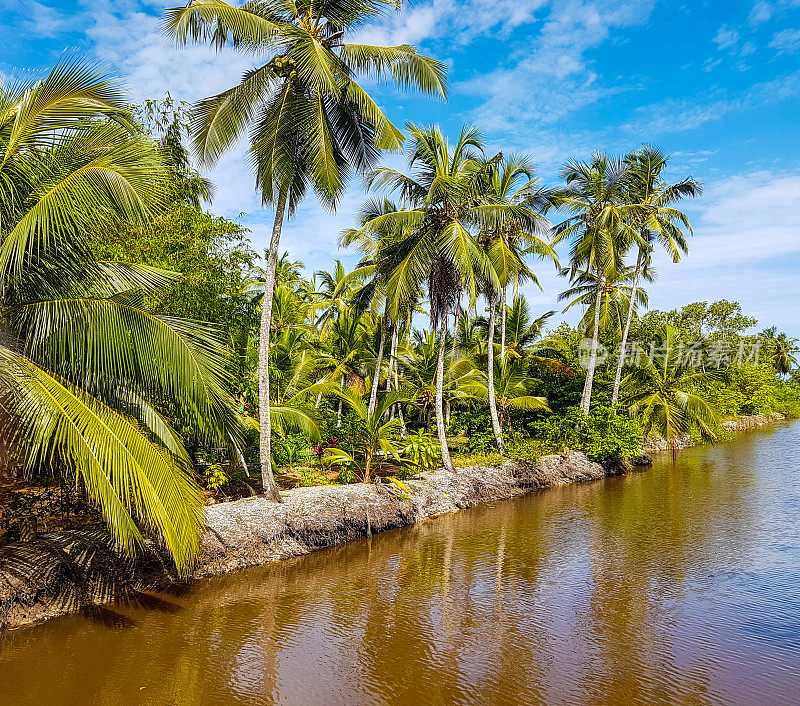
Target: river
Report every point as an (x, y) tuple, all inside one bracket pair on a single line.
[(679, 584)]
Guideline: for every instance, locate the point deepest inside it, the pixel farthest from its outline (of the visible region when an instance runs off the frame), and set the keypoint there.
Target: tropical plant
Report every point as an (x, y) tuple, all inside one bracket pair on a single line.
[(782, 349), (435, 243), (420, 451), (374, 434), (92, 385), (616, 291), (312, 124), (661, 393), (512, 388), (657, 222), (600, 231)]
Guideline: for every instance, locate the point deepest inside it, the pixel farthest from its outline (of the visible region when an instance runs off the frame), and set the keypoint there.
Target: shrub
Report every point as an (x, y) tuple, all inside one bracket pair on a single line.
[(602, 435), (421, 452)]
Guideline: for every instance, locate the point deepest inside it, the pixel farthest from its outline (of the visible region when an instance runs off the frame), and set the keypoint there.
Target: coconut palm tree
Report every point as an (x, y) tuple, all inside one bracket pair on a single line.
[(657, 222), (616, 292), (782, 349), (311, 123), (438, 246), (522, 232), (92, 385), (660, 392), (599, 229), (508, 182)]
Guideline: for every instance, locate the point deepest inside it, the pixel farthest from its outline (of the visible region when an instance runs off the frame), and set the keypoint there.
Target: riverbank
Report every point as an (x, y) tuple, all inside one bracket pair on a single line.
[(73, 570), (733, 426), (79, 570)]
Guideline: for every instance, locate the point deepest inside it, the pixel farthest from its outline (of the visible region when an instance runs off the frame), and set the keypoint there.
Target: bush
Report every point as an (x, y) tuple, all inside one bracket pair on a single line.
[(421, 452), (602, 435), (290, 449)]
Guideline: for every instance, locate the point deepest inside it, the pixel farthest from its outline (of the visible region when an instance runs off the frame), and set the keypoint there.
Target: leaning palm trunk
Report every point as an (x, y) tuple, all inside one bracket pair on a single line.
[(441, 428), (586, 396), (498, 432), (373, 395), (623, 344), (267, 479)]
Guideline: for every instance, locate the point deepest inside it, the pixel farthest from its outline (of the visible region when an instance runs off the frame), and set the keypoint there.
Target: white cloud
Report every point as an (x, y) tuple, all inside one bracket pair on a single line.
[(726, 37), (787, 41), (746, 219)]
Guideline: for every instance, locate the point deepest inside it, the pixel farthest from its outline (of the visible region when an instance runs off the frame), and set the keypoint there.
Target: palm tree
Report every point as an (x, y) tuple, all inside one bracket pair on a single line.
[(661, 393), (512, 388), (512, 183), (312, 124), (782, 349), (656, 221), (509, 182), (87, 375), (375, 434), (598, 228), (523, 331), (616, 292), (436, 244)]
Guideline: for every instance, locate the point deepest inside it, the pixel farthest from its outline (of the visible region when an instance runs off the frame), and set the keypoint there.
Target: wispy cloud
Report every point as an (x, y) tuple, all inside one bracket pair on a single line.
[(786, 41)]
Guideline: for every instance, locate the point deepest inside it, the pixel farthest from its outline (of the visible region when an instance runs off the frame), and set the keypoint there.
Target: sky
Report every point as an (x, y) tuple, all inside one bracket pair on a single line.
[(714, 83)]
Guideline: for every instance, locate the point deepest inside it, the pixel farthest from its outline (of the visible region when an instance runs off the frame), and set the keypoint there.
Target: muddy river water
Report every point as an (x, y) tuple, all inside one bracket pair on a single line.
[(680, 584)]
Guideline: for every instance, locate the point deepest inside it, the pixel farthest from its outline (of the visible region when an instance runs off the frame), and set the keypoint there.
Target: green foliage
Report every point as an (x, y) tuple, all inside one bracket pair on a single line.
[(312, 476), (602, 435), (214, 477), (290, 449), (420, 452), (211, 253)]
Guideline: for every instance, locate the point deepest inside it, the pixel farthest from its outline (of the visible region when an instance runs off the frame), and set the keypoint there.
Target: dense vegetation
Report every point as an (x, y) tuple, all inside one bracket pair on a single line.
[(425, 354)]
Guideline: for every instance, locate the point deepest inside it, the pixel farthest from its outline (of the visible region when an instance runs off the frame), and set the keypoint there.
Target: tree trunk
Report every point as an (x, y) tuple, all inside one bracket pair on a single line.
[(390, 413), (265, 418), (339, 409), (586, 396), (496, 428), (373, 395), (502, 330), (441, 429), (623, 344)]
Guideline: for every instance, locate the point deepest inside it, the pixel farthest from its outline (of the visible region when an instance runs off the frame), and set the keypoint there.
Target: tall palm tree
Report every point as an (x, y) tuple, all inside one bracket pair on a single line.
[(783, 349), (599, 230), (657, 222), (661, 393), (509, 182), (91, 384), (437, 244), (311, 123), (617, 291), (512, 183)]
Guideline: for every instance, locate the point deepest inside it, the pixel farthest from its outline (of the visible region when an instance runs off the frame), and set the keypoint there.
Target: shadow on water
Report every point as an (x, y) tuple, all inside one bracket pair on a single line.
[(678, 584)]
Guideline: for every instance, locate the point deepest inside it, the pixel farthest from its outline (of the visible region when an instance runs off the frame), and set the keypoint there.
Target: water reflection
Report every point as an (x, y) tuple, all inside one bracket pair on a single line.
[(679, 584)]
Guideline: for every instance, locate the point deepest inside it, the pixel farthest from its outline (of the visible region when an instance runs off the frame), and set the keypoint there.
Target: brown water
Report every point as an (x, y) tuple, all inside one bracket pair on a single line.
[(676, 585)]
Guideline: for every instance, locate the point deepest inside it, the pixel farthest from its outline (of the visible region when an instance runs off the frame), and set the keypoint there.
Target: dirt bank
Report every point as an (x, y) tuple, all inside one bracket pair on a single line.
[(74, 570)]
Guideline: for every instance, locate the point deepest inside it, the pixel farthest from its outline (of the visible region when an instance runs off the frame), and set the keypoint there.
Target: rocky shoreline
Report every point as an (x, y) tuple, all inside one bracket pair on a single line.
[(79, 570)]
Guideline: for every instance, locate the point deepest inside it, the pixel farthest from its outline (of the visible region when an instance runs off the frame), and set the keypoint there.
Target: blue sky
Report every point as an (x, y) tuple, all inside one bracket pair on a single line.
[(715, 84)]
